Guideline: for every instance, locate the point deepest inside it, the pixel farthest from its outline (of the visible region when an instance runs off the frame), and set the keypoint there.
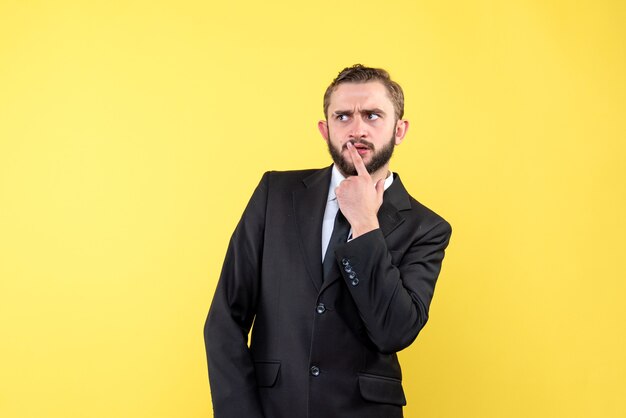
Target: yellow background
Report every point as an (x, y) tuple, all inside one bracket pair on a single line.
[(133, 133)]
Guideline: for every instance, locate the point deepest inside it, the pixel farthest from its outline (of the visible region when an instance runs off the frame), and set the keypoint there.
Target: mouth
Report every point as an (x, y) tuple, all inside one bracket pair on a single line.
[(360, 147)]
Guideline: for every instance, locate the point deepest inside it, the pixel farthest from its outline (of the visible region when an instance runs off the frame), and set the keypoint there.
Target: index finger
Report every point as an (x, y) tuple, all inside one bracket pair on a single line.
[(359, 165)]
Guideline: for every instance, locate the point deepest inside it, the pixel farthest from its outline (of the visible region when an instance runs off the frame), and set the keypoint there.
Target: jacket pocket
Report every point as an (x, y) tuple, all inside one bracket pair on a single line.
[(266, 373), (381, 389)]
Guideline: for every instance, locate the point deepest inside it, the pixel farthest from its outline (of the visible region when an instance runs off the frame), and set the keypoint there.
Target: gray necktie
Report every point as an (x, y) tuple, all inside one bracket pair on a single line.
[(339, 236)]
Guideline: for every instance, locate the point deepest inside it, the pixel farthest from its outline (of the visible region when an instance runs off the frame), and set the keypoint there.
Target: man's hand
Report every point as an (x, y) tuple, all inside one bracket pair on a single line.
[(359, 197)]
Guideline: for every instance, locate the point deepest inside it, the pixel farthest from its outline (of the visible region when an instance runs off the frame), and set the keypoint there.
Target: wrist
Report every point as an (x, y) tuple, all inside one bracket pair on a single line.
[(359, 229)]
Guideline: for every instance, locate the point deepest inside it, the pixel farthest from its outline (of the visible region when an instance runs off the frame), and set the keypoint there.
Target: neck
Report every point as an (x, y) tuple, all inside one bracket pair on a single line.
[(381, 174)]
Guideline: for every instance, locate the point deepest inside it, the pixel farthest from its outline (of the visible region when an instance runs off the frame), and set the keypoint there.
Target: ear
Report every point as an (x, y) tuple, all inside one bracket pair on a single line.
[(322, 125), (402, 126)]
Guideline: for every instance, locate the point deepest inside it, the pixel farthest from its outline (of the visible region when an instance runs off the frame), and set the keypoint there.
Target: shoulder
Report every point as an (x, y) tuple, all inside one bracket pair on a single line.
[(297, 174), (419, 212), (292, 178), (425, 211), (428, 217)]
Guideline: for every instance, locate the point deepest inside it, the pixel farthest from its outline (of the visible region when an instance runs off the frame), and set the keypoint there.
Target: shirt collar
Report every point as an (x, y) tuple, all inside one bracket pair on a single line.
[(337, 178)]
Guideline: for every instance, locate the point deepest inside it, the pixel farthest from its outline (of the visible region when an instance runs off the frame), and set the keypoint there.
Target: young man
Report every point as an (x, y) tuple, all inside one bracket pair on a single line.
[(335, 267)]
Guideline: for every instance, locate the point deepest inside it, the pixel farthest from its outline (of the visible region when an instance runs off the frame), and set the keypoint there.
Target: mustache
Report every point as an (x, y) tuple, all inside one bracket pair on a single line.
[(358, 141)]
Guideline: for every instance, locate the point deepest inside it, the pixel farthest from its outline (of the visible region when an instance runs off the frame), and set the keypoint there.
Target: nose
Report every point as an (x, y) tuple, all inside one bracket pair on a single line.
[(358, 129)]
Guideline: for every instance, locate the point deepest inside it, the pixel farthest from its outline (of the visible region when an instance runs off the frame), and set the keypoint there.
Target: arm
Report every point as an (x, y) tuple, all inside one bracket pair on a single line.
[(231, 369), (393, 301)]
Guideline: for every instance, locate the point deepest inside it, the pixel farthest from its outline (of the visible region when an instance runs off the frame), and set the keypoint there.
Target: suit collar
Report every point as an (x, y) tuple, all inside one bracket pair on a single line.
[(309, 203), (395, 200), (319, 177)]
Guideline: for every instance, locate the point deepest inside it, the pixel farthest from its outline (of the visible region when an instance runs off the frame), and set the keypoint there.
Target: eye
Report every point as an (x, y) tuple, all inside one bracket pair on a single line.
[(342, 117), (373, 116)]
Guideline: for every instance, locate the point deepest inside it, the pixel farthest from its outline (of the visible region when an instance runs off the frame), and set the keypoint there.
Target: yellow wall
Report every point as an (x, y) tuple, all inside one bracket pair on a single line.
[(132, 134)]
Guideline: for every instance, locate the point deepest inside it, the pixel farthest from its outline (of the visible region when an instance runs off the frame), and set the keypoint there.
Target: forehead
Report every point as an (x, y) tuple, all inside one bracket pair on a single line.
[(372, 94)]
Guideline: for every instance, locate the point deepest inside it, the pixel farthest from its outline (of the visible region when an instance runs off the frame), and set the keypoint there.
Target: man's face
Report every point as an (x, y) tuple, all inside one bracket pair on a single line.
[(362, 113)]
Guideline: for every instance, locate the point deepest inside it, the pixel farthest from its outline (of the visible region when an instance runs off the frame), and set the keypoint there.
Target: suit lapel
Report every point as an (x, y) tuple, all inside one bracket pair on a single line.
[(309, 204), (395, 200)]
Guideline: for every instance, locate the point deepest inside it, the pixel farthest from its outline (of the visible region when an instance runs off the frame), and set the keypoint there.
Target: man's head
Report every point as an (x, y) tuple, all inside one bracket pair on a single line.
[(365, 107), (361, 74)]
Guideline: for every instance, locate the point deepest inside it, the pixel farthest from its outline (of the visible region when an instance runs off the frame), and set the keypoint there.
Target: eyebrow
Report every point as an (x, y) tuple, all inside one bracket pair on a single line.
[(363, 111)]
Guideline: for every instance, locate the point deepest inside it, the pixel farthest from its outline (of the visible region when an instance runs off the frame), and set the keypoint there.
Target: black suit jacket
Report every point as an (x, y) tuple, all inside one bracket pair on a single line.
[(319, 349)]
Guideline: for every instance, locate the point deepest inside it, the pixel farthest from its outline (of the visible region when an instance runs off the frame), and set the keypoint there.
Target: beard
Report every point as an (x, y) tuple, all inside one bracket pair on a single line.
[(378, 160)]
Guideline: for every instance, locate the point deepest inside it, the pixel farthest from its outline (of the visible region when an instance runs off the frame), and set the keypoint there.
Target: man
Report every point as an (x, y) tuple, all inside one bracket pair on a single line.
[(336, 269)]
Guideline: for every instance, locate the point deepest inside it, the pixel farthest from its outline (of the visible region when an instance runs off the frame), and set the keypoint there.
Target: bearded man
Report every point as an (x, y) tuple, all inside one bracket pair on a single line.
[(336, 269)]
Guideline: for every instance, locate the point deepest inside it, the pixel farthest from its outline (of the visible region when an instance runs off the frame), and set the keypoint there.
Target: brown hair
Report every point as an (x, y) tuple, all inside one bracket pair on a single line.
[(361, 74)]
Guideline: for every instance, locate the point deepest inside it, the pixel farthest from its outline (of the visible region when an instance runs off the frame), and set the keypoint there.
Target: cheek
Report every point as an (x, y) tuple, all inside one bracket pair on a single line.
[(382, 136), (337, 130), (335, 136)]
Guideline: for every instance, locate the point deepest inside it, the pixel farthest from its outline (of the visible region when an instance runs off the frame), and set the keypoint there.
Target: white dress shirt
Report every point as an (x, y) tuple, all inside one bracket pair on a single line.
[(332, 207)]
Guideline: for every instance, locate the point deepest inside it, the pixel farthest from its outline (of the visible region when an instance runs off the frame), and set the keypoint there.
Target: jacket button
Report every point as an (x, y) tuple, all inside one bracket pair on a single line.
[(348, 269), (345, 261), (354, 282), (352, 275), (315, 371), (320, 309)]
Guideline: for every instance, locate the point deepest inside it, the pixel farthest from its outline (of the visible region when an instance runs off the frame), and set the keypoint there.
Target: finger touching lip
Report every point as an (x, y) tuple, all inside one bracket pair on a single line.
[(358, 146)]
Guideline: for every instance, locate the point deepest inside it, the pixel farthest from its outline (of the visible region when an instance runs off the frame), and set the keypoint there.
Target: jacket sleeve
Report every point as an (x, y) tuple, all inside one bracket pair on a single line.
[(231, 369), (393, 300)]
